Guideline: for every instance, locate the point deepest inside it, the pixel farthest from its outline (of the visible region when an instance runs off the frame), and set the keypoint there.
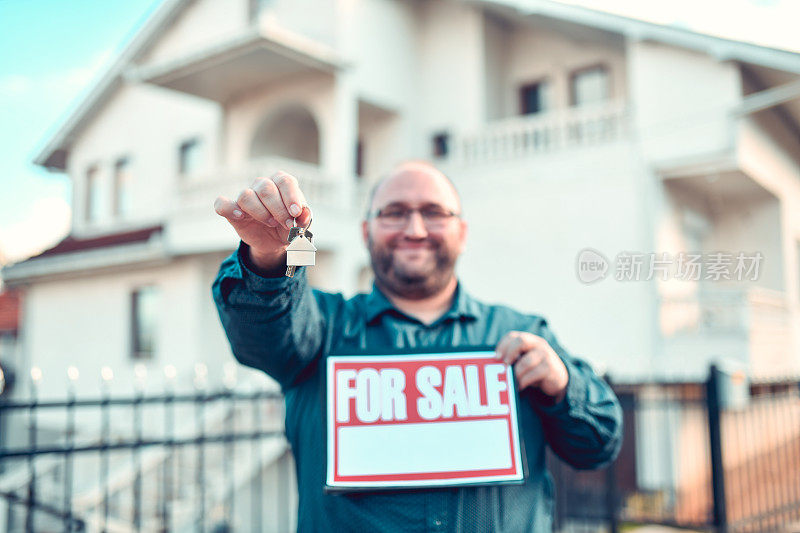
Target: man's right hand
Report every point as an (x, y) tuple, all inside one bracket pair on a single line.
[(262, 216)]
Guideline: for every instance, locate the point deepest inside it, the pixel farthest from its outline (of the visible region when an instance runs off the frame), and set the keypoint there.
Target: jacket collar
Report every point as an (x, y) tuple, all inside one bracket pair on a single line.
[(463, 306)]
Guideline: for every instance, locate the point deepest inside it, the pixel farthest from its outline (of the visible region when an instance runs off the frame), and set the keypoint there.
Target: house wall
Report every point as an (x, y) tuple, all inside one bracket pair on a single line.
[(457, 68), (537, 53), (293, 15), (684, 116), (497, 35), (752, 227), (528, 223), (245, 114), (220, 21), (86, 322), (383, 47), (763, 157), (147, 124), (451, 69)]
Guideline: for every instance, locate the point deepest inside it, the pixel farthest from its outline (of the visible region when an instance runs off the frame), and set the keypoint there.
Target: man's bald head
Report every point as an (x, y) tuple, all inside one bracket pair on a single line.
[(415, 169), (413, 231)]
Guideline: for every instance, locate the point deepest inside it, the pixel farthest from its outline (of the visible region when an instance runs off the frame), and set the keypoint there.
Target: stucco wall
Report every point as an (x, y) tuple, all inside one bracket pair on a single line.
[(147, 124)]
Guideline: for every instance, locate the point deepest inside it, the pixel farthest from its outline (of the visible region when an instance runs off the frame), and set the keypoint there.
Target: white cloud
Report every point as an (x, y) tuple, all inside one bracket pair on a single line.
[(14, 85), (67, 83), (48, 221)]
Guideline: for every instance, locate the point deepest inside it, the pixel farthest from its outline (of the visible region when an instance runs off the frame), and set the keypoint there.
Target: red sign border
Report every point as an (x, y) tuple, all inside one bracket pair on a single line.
[(515, 474)]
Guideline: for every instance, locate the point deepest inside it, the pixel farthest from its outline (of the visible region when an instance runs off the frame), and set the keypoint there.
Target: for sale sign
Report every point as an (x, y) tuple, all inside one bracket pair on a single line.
[(421, 420)]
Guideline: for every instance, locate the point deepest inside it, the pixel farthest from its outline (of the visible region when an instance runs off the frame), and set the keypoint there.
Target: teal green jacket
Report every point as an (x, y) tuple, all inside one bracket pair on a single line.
[(285, 328)]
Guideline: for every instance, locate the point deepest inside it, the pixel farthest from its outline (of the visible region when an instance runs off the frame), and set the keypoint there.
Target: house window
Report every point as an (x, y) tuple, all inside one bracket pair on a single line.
[(93, 194), (190, 155), (589, 86), (441, 144), (535, 98), (122, 186), (360, 158), (144, 320)]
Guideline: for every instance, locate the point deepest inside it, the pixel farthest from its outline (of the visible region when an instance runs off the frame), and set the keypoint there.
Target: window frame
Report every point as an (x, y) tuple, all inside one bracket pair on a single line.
[(183, 147), (137, 353), (573, 75), (121, 163), (541, 82), (91, 178)]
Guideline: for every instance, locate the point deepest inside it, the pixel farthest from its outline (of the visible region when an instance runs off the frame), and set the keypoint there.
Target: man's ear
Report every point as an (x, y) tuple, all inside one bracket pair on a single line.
[(365, 232), (463, 230)]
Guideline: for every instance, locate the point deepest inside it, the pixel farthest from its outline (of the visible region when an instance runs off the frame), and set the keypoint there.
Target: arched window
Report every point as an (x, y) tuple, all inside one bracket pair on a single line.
[(289, 132)]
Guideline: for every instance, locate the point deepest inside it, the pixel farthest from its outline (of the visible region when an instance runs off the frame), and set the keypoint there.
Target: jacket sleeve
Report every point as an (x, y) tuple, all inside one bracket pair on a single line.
[(272, 324), (585, 428)]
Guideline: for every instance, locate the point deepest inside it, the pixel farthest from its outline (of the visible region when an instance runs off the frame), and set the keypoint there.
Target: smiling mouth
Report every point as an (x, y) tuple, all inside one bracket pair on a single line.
[(414, 245)]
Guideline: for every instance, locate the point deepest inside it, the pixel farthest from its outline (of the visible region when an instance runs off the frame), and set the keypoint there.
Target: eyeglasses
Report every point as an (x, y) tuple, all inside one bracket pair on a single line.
[(396, 217)]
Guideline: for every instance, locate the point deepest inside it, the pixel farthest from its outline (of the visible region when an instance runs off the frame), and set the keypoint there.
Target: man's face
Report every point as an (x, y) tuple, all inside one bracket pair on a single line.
[(414, 258)]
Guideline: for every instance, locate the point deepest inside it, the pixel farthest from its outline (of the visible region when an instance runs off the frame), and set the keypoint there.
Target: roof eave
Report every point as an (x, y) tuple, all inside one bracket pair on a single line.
[(54, 153), (719, 47)]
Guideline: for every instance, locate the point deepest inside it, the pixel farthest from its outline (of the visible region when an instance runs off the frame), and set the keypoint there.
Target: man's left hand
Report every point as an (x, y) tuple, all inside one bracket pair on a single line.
[(535, 362)]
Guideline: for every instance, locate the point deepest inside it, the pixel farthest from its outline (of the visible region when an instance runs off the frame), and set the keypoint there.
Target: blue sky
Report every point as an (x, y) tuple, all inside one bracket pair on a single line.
[(52, 50)]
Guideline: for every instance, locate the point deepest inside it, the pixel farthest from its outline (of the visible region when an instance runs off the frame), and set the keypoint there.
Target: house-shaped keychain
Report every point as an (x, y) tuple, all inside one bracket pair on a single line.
[(300, 251)]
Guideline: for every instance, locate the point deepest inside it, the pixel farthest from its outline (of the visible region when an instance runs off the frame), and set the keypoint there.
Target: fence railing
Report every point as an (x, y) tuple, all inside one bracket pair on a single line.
[(165, 462), (722, 455)]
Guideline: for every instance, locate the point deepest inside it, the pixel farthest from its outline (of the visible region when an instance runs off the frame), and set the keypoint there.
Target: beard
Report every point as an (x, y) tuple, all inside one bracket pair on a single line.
[(410, 282)]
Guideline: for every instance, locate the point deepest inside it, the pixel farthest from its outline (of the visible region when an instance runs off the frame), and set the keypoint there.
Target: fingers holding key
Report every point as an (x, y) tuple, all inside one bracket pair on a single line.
[(281, 196), (249, 202), (292, 197), (228, 209), (267, 193)]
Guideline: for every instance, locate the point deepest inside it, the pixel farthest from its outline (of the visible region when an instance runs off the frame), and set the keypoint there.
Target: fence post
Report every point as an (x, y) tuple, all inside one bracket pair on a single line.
[(715, 442)]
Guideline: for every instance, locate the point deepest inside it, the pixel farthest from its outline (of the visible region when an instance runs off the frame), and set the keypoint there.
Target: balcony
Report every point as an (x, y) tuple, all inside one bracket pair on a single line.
[(549, 132), (751, 326), (267, 50), (193, 226)]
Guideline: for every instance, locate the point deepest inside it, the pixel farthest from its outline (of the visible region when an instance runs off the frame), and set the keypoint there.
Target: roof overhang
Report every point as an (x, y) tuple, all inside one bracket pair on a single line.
[(78, 257), (640, 30), (259, 57)]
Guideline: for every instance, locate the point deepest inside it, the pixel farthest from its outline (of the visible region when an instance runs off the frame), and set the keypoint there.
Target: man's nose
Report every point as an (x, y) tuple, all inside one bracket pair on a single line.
[(415, 227)]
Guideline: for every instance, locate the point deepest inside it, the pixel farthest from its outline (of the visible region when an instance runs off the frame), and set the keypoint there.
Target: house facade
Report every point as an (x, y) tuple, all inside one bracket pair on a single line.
[(564, 129)]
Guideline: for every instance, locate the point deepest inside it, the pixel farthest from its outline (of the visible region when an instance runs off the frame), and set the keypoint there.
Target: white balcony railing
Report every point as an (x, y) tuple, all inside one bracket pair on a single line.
[(722, 311), (197, 192), (550, 131), (759, 319)]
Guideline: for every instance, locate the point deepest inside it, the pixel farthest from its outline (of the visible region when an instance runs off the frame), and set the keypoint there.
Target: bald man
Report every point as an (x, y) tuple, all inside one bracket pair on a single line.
[(414, 233)]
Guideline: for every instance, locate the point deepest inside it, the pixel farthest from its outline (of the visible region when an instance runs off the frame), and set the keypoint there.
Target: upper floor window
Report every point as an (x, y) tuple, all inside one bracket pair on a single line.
[(589, 86), (360, 158), (441, 144), (145, 302), (93, 194), (535, 98), (122, 186), (190, 154)]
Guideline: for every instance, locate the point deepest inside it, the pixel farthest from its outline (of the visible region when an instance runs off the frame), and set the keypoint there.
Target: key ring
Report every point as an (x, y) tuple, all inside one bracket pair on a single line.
[(310, 220)]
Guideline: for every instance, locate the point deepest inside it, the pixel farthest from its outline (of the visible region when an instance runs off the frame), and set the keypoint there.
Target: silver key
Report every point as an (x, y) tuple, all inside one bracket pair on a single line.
[(300, 252)]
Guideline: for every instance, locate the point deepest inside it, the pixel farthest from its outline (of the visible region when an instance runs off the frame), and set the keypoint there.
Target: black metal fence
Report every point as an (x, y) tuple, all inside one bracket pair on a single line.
[(195, 461), (723, 455)]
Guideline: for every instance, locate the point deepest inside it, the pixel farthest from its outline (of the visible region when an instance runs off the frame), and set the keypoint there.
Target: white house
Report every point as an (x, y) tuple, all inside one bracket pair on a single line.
[(563, 128)]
